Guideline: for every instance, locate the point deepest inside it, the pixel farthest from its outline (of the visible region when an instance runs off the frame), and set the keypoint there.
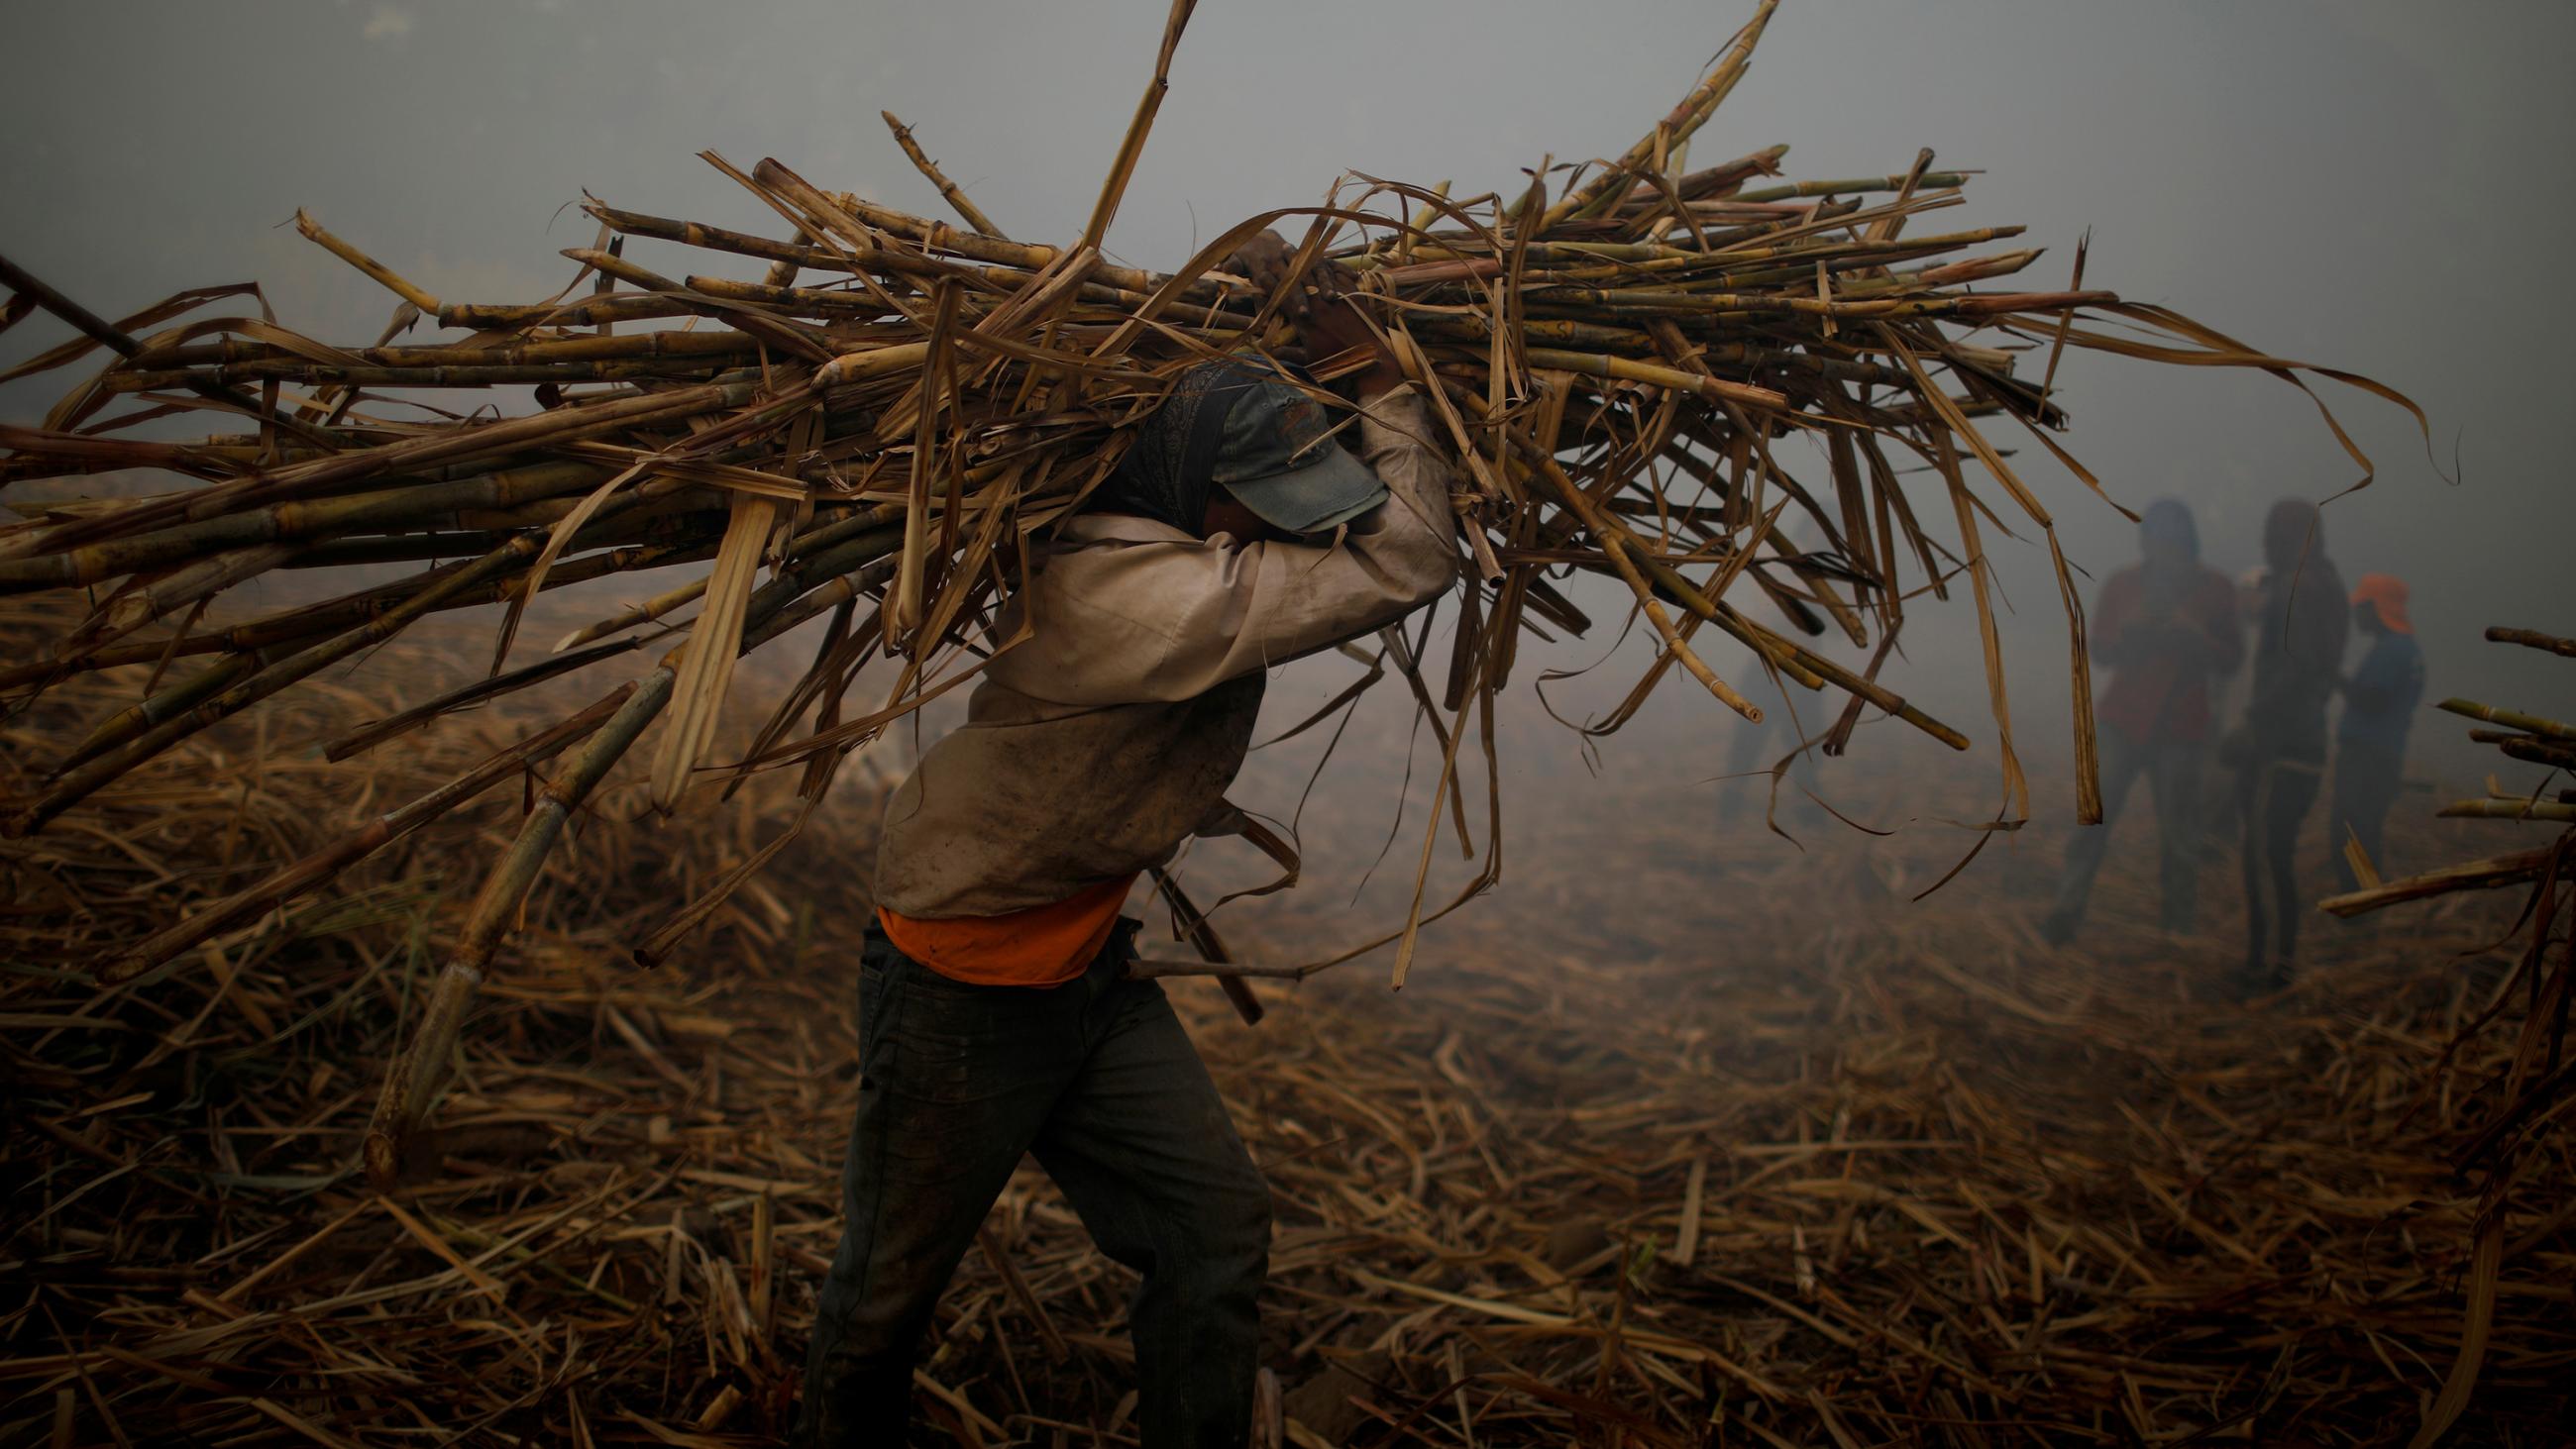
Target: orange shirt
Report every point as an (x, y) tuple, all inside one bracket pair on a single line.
[(1045, 945)]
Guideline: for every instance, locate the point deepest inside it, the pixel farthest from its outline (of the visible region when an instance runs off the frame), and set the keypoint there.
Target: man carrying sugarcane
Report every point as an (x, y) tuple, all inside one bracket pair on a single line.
[(2379, 700), (997, 1016)]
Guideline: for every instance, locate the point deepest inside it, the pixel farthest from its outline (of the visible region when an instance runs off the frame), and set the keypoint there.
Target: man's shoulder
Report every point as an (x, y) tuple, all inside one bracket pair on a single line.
[(1112, 561)]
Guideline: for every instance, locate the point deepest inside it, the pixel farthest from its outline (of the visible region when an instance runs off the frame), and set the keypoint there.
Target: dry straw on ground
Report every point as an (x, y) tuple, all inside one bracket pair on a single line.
[(1908, 1177)]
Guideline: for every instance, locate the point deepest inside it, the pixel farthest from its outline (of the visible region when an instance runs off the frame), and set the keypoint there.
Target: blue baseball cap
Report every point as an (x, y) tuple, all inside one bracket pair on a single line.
[(1277, 455)]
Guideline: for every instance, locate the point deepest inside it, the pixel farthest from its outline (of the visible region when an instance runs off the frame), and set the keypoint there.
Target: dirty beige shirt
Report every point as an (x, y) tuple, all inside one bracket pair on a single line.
[(1094, 747)]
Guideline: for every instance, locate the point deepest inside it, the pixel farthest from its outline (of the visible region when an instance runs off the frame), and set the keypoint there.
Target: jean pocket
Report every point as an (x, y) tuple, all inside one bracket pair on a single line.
[(939, 1037)]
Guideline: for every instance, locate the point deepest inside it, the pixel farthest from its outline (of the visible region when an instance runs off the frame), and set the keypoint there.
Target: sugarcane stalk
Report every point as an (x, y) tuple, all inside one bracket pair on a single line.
[(376, 271), (1630, 370), (1789, 654), (1609, 530), (323, 374), (180, 588), (1724, 179), (412, 1080), (27, 285), (77, 784), (1686, 117), (491, 686), (869, 561), (2510, 719), (596, 312), (414, 1076), (2548, 811), (1789, 657), (151, 710), (1859, 185), (2556, 755), (627, 346), (2493, 873), (901, 264), (794, 338), (706, 670), (809, 542), (411, 455), (302, 625), (1132, 145), (683, 521), (2533, 639), (837, 306), (955, 194), (1214, 959), (51, 453), (1675, 643), (383, 510)]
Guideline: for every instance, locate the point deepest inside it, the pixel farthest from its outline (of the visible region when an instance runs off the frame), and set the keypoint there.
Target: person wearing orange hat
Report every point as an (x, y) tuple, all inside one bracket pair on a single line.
[(2379, 701)]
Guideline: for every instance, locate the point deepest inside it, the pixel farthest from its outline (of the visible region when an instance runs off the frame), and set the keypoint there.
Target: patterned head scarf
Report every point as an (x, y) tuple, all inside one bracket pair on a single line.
[(1168, 474)]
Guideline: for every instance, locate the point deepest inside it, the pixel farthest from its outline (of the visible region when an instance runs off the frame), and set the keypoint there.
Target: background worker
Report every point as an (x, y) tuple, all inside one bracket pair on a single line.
[(2379, 701), (995, 1013), (2279, 751), (2166, 626)]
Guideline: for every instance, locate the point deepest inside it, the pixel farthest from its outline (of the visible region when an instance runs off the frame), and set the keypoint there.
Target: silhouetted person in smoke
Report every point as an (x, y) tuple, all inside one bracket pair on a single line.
[(2279, 751), (2379, 702), (2167, 627)]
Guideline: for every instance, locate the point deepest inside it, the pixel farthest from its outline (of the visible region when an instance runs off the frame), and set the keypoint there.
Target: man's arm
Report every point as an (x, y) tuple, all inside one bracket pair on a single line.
[(2107, 633), (1124, 622), (2386, 682)]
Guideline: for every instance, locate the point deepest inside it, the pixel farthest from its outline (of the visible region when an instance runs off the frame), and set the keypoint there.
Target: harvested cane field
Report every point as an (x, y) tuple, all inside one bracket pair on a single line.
[(382, 1071), (1775, 1158)]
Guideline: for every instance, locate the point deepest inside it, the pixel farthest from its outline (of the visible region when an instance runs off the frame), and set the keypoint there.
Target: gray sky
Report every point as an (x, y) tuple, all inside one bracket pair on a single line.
[(2366, 185)]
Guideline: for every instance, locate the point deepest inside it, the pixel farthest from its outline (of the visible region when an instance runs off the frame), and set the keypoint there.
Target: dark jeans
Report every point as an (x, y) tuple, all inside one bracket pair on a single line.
[(1097, 1078), (2172, 768), (2276, 793), (2366, 778)]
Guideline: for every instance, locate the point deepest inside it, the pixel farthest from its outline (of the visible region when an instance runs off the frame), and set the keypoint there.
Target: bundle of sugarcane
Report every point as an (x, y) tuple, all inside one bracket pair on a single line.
[(1618, 366)]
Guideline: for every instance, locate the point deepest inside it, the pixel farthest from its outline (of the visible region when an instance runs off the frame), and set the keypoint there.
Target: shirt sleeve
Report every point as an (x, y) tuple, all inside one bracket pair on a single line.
[(1127, 622), (2389, 682)]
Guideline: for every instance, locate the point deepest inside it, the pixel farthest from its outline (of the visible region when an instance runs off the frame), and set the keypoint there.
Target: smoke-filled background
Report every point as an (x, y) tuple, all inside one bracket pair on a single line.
[(2372, 187), (1936, 1171)]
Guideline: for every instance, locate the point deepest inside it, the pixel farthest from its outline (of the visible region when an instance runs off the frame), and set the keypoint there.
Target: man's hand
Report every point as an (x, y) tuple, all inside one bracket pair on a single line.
[(1264, 262), (1327, 322)]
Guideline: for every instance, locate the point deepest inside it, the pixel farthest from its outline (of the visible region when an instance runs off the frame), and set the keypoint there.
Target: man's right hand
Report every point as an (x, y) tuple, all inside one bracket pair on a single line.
[(1328, 323), (1263, 261)]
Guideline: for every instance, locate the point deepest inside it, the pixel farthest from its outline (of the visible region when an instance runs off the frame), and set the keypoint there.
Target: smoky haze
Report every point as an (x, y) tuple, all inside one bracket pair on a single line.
[(2360, 185)]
